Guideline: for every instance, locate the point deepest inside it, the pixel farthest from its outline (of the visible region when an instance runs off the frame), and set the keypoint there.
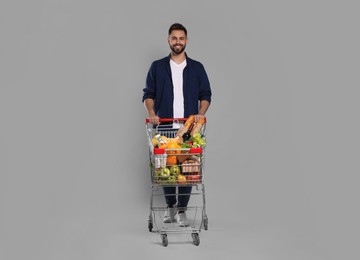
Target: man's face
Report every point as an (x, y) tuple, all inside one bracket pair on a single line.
[(177, 41)]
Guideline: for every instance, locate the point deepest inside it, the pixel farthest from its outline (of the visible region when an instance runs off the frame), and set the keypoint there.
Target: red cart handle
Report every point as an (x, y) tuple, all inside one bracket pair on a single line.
[(167, 120)]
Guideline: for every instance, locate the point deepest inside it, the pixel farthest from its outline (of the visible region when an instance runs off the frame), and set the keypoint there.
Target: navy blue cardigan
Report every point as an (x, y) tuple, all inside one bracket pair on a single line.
[(159, 86)]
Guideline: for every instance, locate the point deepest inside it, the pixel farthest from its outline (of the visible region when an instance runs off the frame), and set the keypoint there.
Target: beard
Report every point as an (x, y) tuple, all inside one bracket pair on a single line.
[(177, 49)]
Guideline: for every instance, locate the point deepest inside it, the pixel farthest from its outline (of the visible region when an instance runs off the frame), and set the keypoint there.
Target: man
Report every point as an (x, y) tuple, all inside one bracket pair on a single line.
[(176, 87)]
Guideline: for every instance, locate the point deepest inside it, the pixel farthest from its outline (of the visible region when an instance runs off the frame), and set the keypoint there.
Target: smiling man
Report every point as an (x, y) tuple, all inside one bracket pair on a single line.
[(176, 87), (177, 42)]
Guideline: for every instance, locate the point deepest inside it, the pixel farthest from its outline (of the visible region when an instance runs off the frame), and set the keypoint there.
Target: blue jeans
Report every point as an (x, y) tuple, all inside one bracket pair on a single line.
[(183, 196)]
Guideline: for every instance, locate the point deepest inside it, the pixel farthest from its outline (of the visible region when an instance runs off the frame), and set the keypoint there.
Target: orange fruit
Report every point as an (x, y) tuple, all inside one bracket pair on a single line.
[(173, 145), (171, 160)]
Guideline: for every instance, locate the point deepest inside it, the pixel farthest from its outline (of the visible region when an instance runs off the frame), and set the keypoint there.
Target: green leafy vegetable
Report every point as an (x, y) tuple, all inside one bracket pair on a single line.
[(197, 140)]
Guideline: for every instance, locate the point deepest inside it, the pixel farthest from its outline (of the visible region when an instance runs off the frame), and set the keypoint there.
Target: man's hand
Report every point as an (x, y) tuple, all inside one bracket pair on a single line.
[(154, 119), (149, 106), (204, 105), (198, 117)]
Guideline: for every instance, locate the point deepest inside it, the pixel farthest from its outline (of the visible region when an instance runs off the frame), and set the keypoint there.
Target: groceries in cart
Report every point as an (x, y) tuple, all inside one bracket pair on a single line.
[(177, 154), (189, 135), (177, 158), (180, 173)]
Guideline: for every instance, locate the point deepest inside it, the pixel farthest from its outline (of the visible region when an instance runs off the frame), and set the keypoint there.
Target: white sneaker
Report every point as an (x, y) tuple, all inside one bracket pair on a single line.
[(182, 219), (169, 216)]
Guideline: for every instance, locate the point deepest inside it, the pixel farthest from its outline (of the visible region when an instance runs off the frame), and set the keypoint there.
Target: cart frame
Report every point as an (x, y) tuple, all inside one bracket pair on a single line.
[(157, 157)]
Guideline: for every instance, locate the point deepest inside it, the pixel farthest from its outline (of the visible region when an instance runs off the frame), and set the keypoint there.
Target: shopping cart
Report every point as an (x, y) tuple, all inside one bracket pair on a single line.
[(187, 171)]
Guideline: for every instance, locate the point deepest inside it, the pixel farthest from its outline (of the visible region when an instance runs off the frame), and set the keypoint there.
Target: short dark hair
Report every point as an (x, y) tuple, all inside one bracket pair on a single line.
[(177, 26)]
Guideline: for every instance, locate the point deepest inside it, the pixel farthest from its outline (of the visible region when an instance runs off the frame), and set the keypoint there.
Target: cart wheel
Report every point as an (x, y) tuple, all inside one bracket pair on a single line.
[(196, 239), (206, 223), (150, 226), (164, 240)]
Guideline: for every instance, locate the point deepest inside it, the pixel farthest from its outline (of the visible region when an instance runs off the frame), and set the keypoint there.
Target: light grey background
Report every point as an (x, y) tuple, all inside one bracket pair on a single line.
[(283, 130)]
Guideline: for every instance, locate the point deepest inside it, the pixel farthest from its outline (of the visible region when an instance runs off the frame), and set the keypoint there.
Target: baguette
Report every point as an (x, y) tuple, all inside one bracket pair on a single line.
[(197, 126), (185, 127), (182, 131), (190, 121)]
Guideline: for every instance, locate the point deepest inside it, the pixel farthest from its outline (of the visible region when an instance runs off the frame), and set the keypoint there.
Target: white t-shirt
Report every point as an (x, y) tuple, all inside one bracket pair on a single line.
[(177, 79)]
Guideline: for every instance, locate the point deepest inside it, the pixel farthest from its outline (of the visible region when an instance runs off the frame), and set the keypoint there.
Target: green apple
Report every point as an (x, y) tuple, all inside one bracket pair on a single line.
[(171, 180), (165, 172), (175, 170)]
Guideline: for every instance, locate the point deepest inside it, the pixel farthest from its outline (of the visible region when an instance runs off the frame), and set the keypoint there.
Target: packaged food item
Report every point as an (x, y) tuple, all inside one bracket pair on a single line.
[(190, 166), (160, 141), (160, 160)]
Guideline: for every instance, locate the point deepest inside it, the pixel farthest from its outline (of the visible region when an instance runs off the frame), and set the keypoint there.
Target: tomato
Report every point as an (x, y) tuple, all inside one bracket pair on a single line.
[(193, 178)]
